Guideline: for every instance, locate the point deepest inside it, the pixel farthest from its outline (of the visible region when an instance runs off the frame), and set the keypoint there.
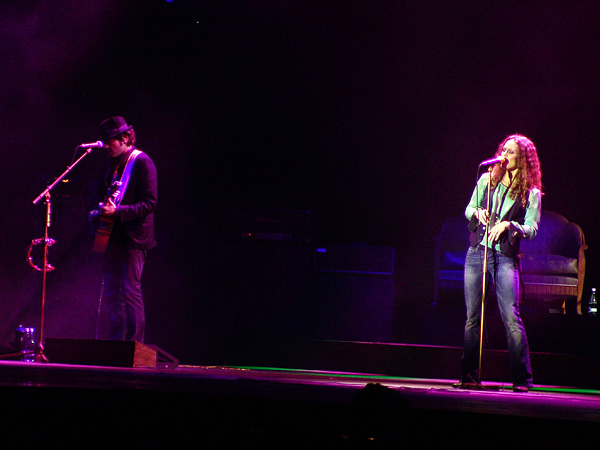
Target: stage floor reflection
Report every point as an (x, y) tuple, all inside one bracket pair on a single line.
[(278, 407)]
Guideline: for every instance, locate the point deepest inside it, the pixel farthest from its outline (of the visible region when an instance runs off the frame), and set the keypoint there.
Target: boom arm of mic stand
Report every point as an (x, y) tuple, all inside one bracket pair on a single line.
[(60, 178)]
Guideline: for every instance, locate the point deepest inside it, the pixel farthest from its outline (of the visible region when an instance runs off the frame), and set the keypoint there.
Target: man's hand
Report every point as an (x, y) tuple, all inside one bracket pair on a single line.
[(109, 208)]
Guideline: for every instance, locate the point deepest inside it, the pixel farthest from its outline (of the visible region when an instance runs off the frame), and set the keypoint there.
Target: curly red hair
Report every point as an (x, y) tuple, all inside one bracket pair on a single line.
[(529, 173)]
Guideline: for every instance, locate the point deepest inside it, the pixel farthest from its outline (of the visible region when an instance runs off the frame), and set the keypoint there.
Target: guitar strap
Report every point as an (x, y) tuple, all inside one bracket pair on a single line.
[(125, 176)]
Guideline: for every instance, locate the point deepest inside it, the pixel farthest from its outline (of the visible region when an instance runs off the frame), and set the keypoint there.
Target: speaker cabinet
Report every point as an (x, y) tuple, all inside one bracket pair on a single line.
[(363, 259), (99, 352), (352, 307)]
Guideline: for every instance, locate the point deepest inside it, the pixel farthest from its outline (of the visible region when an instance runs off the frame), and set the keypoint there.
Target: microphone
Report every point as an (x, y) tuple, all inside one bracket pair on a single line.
[(99, 144), (497, 159)]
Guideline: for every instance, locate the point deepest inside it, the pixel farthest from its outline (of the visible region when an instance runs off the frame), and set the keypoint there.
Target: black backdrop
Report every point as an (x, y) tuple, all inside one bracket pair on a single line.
[(373, 116)]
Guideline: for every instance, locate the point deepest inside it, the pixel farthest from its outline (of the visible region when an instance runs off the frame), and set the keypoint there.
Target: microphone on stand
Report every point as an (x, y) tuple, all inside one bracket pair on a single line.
[(99, 144), (498, 159)]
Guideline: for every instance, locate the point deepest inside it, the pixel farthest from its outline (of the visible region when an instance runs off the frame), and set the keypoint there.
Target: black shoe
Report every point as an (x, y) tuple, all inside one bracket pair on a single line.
[(466, 382)]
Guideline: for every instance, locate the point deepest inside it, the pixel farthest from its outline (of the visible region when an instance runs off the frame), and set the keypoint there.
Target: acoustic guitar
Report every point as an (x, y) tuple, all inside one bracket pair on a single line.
[(105, 222)]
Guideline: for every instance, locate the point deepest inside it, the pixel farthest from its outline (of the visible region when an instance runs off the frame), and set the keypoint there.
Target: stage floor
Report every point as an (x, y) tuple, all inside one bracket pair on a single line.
[(92, 406)]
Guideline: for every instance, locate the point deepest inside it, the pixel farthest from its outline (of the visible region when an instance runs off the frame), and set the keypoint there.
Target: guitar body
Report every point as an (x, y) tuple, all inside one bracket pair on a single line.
[(105, 223), (105, 227)]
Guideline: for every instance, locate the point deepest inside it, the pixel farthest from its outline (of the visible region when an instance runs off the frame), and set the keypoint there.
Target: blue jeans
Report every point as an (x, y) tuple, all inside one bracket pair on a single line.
[(504, 272), (123, 292)]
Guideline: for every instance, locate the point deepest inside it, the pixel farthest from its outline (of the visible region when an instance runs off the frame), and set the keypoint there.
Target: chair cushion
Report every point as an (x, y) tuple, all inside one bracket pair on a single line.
[(555, 280), (548, 264)]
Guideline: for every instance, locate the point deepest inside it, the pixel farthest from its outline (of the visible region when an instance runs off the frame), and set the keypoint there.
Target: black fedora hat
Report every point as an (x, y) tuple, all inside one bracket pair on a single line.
[(113, 127)]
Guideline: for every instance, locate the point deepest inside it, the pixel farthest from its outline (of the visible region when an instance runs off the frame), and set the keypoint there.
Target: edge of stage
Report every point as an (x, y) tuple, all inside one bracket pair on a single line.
[(320, 394)]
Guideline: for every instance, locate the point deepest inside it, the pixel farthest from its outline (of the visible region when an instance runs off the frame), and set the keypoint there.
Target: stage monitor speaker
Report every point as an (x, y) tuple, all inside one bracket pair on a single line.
[(163, 359), (95, 352)]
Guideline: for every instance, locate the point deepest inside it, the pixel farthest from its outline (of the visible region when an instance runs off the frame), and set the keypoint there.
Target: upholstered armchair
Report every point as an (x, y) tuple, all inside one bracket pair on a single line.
[(552, 264)]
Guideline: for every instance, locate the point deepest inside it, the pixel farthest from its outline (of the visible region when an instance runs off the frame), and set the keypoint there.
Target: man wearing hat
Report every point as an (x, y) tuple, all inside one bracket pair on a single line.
[(127, 213)]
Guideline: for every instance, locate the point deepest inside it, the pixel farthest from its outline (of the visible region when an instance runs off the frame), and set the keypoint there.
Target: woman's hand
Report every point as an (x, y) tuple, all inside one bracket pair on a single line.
[(482, 215), (498, 229)]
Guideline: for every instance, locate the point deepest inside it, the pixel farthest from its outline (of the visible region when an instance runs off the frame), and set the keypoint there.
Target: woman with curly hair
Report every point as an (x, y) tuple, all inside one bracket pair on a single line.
[(514, 214)]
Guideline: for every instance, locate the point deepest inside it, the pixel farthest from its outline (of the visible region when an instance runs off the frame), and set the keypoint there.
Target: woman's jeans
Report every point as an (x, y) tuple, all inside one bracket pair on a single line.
[(504, 272)]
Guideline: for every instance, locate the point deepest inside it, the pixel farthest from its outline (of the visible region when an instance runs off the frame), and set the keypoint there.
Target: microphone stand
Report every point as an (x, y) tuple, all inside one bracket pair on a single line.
[(485, 270), (39, 350)]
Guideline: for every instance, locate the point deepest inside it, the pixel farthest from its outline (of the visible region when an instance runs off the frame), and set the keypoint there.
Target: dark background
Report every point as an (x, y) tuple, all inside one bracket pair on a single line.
[(365, 119)]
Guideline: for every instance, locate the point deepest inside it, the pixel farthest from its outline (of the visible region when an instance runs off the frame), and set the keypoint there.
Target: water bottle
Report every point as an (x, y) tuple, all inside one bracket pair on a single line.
[(26, 343), (593, 304)]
